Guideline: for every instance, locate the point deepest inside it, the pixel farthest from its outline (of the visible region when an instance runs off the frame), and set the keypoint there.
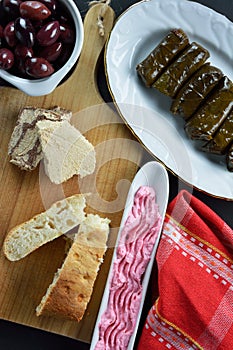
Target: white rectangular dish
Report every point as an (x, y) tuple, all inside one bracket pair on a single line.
[(154, 175)]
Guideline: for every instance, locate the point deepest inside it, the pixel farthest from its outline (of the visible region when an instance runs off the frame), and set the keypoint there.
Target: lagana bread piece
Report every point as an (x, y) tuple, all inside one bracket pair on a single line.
[(24, 147), (70, 291), (61, 217), (66, 152)]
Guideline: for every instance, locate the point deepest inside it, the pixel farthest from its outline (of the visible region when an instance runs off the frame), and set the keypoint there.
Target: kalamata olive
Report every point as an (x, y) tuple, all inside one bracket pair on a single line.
[(37, 37), (2, 14), (51, 53), (34, 10), (62, 18), (65, 55), (6, 59), (67, 34), (38, 67), (12, 7), (1, 31), (51, 4), (24, 31), (48, 34), (21, 67), (9, 34), (22, 52), (1, 36), (38, 25)]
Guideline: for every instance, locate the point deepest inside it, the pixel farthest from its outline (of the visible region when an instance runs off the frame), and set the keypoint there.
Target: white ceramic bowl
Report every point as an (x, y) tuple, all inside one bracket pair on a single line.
[(44, 86)]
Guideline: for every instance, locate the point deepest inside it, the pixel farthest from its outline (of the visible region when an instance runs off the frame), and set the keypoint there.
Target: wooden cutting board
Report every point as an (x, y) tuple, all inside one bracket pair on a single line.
[(24, 194)]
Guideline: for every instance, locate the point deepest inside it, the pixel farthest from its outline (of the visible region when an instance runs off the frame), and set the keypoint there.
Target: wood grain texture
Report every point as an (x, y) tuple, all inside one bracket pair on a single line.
[(24, 194)]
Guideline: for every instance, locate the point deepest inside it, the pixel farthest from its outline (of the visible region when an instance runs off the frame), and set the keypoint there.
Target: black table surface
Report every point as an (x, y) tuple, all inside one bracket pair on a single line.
[(14, 336)]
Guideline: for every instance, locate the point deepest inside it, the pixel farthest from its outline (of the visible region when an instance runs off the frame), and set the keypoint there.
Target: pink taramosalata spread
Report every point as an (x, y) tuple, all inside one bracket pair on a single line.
[(133, 253)]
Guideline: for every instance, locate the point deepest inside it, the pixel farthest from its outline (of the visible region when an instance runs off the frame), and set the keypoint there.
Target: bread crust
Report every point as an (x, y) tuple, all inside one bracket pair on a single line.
[(72, 287)]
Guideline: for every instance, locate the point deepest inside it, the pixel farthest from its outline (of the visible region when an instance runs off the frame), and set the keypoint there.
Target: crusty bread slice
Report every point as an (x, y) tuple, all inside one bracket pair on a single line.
[(61, 217), (72, 286)]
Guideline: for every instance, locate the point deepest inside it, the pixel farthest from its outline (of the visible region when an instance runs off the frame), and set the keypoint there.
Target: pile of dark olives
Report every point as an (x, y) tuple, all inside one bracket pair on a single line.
[(36, 37)]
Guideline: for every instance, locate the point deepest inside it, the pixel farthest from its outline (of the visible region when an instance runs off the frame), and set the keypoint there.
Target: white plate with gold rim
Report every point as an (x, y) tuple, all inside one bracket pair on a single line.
[(146, 111)]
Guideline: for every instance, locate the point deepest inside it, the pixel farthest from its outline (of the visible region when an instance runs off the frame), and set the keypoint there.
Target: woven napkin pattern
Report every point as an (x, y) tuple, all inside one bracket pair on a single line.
[(194, 309)]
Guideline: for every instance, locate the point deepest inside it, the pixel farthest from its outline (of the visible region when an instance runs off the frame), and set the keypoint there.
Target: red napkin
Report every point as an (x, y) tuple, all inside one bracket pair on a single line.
[(194, 309)]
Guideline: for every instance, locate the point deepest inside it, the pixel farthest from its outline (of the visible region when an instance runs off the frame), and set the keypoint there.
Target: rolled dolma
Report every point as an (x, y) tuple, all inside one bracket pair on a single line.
[(162, 55), (195, 90), (208, 118), (222, 138), (173, 78), (230, 158)]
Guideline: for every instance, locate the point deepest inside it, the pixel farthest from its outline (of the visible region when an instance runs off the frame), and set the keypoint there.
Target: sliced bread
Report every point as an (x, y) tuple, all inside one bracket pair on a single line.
[(72, 286), (61, 217)]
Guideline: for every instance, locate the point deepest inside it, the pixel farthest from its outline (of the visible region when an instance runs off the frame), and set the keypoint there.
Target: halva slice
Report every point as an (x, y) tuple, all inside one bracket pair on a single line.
[(24, 147), (66, 151)]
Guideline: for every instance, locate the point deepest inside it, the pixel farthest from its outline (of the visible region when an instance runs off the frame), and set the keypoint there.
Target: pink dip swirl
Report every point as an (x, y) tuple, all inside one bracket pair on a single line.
[(133, 253)]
